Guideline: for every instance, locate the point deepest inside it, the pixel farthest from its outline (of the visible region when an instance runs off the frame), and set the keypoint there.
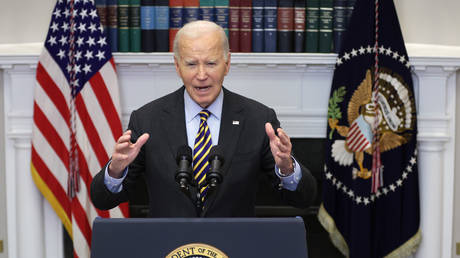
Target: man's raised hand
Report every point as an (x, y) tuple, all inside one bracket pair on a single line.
[(125, 152)]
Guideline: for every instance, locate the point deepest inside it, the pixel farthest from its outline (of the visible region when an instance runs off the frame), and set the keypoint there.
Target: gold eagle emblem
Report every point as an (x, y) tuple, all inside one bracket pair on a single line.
[(395, 118)]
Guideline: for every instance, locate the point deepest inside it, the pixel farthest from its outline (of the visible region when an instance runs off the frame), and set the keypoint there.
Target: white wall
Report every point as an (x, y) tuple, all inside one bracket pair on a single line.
[(24, 20), (429, 22), (422, 21)]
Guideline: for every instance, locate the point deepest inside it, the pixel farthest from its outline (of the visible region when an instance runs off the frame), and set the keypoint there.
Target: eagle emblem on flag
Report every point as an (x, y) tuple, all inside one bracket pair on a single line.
[(395, 120)]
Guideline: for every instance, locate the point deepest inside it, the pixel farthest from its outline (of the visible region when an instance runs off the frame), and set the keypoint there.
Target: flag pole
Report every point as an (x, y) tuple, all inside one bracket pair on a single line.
[(377, 177)]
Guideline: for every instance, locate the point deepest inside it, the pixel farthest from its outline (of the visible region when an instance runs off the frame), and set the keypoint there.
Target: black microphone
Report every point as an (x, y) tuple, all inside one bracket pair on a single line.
[(216, 159), (184, 167)]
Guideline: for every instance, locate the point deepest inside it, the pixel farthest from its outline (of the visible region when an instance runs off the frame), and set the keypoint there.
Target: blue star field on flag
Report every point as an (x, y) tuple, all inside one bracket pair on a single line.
[(91, 50)]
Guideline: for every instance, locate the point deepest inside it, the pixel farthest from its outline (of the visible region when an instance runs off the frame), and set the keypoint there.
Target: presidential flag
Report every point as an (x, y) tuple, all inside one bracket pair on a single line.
[(76, 117), (370, 190)]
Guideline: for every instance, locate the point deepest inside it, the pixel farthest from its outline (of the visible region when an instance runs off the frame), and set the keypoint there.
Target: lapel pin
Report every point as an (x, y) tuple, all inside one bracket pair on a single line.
[(236, 122)]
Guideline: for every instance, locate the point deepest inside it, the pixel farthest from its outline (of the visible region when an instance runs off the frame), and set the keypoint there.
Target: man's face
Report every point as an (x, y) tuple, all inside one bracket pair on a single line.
[(202, 67)]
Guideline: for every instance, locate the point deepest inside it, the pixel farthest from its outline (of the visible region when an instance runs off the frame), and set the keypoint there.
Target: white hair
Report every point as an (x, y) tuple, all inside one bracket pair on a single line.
[(196, 29)]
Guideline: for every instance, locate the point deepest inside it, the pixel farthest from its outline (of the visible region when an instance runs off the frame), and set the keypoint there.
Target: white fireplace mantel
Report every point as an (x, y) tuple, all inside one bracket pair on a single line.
[(296, 85)]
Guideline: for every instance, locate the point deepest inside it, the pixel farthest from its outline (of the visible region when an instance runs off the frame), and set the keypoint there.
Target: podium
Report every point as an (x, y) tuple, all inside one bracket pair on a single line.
[(199, 237)]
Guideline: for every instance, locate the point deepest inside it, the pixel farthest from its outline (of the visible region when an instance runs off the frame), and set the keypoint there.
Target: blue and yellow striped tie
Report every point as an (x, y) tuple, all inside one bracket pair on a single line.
[(203, 143)]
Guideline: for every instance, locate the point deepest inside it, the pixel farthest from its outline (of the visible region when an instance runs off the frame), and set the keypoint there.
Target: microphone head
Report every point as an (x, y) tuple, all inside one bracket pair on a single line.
[(184, 152), (216, 152)]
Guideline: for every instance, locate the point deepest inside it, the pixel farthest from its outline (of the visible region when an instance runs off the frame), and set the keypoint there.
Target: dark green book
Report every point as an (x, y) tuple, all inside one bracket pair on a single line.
[(312, 26), (123, 25), (135, 25), (326, 15)]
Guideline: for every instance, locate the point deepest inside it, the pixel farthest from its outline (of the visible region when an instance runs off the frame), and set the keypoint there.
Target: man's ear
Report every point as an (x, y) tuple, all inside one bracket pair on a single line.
[(228, 63), (176, 65)]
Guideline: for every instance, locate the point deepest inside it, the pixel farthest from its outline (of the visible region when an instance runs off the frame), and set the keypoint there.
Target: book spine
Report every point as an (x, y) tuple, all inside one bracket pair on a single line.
[(191, 10), (326, 13), (207, 10), (221, 9), (299, 26), (112, 22), (101, 7), (176, 8), (147, 25), (349, 12), (270, 21), (246, 25), (234, 25), (258, 26), (285, 25), (312, 26), (135, 25), (339, 23), (161, 26), (123, 25)]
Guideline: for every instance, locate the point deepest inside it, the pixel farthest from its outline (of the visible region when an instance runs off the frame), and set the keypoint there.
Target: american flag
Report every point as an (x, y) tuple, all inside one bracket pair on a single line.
[(76, 117)]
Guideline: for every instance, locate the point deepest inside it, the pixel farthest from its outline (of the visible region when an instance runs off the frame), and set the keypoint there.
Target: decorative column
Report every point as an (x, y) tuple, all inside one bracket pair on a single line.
[(30, 237), (24, 201), (436, 109), (430, 164)]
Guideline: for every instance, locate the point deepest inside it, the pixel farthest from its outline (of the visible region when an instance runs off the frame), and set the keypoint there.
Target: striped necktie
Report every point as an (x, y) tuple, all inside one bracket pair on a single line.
[(203, 143)]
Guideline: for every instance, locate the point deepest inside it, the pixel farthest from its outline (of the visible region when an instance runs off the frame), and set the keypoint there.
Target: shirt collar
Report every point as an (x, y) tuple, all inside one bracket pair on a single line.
[(192, 108)]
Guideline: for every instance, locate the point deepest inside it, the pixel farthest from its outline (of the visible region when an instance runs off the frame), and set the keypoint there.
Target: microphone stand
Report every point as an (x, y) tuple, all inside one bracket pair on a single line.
[(198, 203)]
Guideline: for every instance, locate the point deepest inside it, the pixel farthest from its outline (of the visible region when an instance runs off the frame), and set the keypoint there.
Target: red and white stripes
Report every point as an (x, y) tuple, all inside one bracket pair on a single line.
[(97, 127)]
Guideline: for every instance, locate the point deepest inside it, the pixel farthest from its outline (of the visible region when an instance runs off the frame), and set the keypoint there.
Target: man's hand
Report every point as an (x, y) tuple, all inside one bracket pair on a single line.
[(125, 152), (281, 149)]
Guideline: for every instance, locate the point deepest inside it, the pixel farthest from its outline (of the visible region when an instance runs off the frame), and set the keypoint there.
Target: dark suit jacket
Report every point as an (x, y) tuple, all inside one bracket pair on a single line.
[(246, 152)]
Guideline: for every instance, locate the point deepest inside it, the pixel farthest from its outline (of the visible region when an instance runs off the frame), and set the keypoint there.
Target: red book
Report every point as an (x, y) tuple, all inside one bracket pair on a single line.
[(234, 25), (246, 25), (175, 18)]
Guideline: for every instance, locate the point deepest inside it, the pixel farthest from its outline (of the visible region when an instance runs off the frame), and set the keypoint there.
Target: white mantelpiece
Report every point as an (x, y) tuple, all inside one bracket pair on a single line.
[(295, 85)]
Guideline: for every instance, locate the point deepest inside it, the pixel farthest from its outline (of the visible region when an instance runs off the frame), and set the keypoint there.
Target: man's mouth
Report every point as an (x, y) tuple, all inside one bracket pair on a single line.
[(202, 88)]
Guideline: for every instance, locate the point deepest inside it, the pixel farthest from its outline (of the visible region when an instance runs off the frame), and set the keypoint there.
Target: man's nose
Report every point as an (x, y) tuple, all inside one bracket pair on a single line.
[(202, 73)]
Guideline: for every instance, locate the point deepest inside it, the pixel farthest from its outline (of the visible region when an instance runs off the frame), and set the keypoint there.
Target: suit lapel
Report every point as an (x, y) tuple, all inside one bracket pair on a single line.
[(173, 122), (232, 122), (230, 127)]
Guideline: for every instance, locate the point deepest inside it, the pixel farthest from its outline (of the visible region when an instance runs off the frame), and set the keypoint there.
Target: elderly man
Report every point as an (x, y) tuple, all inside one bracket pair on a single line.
[(201, 114)]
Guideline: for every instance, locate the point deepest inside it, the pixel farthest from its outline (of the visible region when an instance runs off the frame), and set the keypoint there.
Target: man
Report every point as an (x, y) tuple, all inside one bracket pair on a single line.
[(242, 127)]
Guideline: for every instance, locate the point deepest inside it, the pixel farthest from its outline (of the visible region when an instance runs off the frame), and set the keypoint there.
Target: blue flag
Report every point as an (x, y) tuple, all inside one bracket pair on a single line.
[(371, 192)]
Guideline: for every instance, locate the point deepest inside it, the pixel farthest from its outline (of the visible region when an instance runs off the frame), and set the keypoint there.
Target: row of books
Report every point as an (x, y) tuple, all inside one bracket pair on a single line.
[(313, 26)]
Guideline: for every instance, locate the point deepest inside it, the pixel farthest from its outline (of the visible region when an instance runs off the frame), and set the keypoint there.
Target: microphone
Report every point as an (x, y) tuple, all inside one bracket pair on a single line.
[(184, 170), (216, 159)]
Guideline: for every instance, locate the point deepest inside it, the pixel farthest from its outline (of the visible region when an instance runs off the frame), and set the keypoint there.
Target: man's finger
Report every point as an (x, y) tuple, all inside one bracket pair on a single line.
[(284, 138), (125, 137), (270, 132), (121, 146), (141, 140)]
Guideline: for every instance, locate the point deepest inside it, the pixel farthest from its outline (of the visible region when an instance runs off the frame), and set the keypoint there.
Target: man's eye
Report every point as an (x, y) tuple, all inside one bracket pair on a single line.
[(191, 64), (212, 63)]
